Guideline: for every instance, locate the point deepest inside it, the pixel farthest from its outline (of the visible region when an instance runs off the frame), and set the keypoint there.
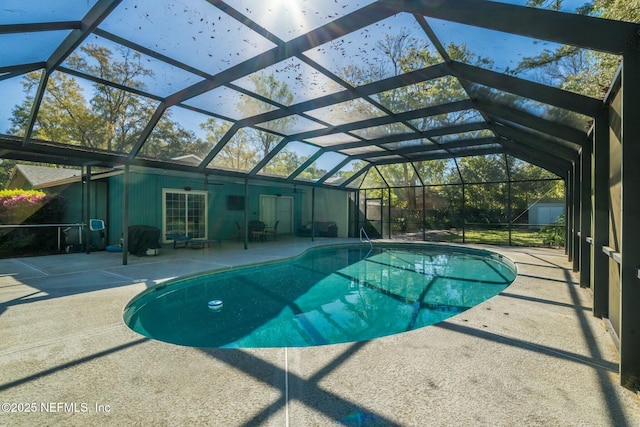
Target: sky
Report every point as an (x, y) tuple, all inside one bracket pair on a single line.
[(134, 17)]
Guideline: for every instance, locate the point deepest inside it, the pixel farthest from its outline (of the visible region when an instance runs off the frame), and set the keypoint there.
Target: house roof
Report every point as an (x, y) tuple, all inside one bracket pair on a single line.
[(319, 92), (39, 176)]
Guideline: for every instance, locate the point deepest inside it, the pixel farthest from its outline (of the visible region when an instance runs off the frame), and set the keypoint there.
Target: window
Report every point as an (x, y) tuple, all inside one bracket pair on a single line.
[(184, 212)]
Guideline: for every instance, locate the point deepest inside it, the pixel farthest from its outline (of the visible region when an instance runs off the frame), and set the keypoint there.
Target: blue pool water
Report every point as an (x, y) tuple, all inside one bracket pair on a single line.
[(327, 295)]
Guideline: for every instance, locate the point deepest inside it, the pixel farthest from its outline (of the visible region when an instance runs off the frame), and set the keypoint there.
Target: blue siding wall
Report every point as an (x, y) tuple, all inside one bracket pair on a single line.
[(145, 203), (331, 205), (74, 205)]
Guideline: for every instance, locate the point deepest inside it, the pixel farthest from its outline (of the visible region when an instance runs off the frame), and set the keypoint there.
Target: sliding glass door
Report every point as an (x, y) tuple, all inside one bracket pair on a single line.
[(184, 212)]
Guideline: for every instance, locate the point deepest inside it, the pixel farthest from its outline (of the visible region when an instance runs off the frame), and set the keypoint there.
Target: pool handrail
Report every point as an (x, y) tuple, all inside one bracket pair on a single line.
[(363, 231)]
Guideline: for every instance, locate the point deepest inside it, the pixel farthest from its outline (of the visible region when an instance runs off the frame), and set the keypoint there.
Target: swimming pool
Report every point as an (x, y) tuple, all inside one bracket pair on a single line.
[(333, 294)]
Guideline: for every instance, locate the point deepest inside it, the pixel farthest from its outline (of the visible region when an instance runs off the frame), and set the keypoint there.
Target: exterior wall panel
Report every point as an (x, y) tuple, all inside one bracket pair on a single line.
[(145, 203), (615, 208)]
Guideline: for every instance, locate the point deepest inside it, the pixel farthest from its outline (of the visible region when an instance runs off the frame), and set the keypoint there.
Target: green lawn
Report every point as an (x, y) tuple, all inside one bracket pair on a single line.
[(519, 236)]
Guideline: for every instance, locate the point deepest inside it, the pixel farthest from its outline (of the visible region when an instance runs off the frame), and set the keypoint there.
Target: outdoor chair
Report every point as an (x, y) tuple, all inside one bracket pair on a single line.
[(239, 231), (256, 231), (272, 231), (186, 240), (179, 239)]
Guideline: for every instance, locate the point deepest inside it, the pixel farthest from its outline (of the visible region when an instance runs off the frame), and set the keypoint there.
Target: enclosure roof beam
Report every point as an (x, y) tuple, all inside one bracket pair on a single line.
[(384, 120), (448, 130), (40, 26), (439, 155), (417, 76), (334, 170), (16, 70), (10, 147), (104, 82), (95, 16), (462, 143), (527, 89), (553, 164), (577, 30), (344, 25), (558, 130), (536, 142), (305, 165), (356, 175), (328, 32), (219, 146), (530, 132), (152, 53), (550, 157)]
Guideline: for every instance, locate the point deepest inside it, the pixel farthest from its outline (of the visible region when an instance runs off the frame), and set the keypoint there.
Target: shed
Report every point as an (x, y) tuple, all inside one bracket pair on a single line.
[(545, 213)]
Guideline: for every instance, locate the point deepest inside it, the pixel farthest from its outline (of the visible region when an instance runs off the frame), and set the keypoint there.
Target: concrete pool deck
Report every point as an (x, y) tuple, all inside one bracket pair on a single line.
[(533, 355)]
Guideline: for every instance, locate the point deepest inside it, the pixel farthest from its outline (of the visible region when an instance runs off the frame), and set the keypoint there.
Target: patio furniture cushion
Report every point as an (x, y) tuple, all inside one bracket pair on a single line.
[(323, 229), (178, 238)]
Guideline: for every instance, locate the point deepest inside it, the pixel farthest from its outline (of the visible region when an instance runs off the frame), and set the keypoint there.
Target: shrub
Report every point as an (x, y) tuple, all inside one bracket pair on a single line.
[(553, 234), (21, 207), (16, 206)]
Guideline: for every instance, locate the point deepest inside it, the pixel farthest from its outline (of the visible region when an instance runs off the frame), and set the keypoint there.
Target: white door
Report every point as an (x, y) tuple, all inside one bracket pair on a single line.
[(285, 214), (273, 209)]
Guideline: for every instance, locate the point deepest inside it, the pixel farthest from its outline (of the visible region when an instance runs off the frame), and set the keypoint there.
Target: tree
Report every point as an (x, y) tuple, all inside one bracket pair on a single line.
[(405, 53), (285, 163), (108, 118), (29, 207), (312, 173), (124, 115), (6, 168), (275, 90), (236, 154), (169, 140), (588, 72), (485, 191), (64, 115), (249, 145), (622, 10)]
